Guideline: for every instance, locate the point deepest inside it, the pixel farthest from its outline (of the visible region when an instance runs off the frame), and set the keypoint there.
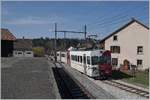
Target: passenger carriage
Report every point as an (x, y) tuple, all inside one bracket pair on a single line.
[(93, 63), (62, 56)]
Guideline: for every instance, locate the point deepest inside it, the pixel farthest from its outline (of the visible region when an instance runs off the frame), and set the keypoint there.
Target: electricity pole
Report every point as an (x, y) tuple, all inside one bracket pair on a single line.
[(65, 40), (64, 31), (55, 53), (85, 32)]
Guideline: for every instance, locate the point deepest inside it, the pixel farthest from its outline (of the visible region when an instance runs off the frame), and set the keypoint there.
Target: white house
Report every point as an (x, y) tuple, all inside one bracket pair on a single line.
[(131, 43), (23, 48)]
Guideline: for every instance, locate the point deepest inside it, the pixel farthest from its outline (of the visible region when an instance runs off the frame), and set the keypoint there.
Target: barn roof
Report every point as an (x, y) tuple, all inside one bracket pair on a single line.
[(23, 44), (123, 27), (7, 35)]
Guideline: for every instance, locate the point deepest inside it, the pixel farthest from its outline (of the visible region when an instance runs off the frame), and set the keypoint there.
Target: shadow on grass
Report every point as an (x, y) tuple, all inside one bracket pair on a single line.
[(120, 75)]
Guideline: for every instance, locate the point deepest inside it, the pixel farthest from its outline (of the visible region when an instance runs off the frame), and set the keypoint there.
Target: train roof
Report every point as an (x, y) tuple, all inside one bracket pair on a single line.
[(89, 52)]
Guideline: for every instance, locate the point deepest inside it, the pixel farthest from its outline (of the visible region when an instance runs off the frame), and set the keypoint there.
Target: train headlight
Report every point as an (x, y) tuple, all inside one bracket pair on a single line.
[(95, 70)]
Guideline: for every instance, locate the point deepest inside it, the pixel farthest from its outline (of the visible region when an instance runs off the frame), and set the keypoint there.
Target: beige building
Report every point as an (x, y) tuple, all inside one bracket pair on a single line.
[(130, 43)]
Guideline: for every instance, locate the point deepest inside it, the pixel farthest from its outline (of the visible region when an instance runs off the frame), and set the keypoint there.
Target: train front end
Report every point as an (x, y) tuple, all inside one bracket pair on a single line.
[(105, 68)]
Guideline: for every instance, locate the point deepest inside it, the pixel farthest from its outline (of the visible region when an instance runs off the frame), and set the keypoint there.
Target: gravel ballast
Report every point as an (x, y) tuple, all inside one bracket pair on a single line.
[(92, 88), (111, 91), (118, 93)]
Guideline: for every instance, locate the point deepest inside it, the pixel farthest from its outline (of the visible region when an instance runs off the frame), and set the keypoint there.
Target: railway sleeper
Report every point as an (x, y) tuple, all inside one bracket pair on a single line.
[(128, 88), (67, 86)]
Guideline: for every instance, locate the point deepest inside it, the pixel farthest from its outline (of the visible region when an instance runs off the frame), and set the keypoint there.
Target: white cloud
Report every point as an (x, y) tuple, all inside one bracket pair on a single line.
[(28, 20), (33, 20)]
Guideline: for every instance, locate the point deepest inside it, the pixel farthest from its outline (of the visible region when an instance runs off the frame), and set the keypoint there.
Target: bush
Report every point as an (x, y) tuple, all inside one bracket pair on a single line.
[(38, 51), (147, 70)]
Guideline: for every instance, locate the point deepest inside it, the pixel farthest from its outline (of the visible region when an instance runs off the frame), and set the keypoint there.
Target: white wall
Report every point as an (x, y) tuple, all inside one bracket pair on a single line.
[(128, 39), (28, 53), (17, 53)]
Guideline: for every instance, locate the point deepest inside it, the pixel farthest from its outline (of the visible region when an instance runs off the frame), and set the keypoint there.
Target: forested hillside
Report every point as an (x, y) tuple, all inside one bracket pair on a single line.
[(62, 44)]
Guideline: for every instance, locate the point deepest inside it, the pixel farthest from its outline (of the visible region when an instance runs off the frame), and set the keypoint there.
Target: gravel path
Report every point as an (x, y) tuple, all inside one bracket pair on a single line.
[(27, 78)]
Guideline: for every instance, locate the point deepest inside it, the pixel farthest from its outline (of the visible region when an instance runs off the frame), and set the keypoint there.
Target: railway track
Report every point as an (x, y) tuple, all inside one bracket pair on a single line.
[(128, 88), (68, 87)]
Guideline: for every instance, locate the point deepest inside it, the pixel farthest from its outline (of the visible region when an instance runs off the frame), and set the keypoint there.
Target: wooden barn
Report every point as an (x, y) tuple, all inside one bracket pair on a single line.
[(7, 42), (23, 48)]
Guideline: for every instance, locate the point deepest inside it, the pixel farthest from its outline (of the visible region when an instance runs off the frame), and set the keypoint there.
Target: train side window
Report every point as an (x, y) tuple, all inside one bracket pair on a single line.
[(88, 60), (95, 60), (78, 58), (63, 55), (75, 58), (81, 59), (71, 57), (84, 59)]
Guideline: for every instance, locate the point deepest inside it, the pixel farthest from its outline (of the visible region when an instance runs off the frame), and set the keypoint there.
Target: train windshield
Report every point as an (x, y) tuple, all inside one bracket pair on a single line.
[(95, 60), (101, 60), (105, 60)]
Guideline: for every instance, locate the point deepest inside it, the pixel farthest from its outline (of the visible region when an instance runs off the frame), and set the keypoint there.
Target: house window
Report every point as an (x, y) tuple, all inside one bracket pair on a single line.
[(115, 49), (139, 62), (114, 61), (115, 38), (140, 50)]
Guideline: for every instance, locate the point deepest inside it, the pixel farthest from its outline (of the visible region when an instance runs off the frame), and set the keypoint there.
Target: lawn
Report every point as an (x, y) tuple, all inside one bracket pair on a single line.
[(141, 77)]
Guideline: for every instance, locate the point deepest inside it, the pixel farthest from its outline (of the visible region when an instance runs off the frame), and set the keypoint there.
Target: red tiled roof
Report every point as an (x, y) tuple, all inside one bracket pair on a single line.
[(7, 35)]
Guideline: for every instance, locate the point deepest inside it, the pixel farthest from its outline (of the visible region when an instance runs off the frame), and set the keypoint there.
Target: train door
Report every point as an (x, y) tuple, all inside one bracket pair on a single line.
[(84, 63), (60, 56), (68, 58)]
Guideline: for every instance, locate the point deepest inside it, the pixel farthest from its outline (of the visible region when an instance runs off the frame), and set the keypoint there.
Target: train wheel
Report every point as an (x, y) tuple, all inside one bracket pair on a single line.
[(102, 75)]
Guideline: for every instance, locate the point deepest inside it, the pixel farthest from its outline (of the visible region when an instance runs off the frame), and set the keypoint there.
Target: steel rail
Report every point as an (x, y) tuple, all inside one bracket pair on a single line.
[(68, 87), (127, 88)]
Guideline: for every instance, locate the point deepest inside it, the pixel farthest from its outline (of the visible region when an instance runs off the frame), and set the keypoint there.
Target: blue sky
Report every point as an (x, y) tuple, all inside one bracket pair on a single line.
[(34, 19)]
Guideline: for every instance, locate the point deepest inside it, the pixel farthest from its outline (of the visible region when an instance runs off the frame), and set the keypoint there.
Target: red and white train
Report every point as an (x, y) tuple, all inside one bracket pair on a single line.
[(94, 63)]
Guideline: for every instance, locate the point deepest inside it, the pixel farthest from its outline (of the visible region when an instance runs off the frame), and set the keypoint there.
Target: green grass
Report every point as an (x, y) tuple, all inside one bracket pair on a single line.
[(141, 78), (120, 75)]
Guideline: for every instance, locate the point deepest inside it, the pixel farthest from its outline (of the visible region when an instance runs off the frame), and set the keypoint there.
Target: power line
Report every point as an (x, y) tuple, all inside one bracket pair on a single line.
[(111, 21), (107, 23), (114, 17), (101, 25), (100, 17)]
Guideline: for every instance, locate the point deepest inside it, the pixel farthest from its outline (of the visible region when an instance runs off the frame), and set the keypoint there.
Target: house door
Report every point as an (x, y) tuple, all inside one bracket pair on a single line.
[(126, 64)]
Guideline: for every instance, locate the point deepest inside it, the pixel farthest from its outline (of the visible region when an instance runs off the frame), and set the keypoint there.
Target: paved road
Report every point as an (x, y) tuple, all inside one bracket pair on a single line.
[(26, 78)]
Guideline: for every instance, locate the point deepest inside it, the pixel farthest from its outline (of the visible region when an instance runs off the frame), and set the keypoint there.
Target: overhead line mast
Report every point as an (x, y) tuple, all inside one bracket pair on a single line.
[(64, 31)]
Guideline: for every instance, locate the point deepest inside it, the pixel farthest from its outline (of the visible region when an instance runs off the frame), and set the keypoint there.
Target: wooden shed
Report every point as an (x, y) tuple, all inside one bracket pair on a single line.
[(7, 42)]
